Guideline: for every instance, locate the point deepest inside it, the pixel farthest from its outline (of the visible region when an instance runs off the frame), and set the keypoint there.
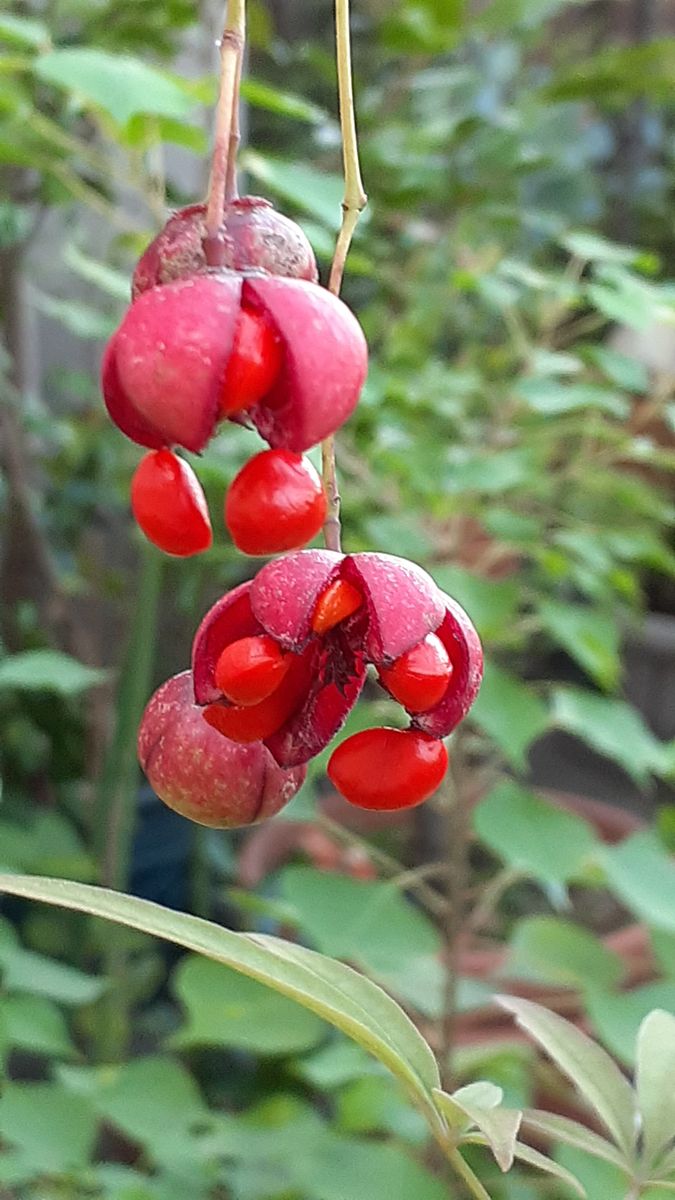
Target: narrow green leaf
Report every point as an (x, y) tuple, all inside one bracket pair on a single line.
[(571, 1133), (655, 1082), (643, 874), (24, 30), (588, 635), (510, 713), (227, 1009), (588, 1066), (313, 191), (557, 951), (521, 828), (616, 1016), (334, 991), (286, 104), (55, 1131), (34, 1023), (48, 671), (611, 727), (533, 1158), (499, 1126), (118, 83)]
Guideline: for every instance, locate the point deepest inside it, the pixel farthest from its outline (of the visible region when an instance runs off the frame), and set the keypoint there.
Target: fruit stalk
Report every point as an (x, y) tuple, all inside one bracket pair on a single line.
[(226, 136), (353, 204)]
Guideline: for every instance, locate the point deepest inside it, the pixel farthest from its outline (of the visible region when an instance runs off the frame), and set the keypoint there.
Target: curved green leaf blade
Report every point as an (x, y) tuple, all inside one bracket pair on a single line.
[(334, 991), (655, 1082), (533, 1158), (571, 1133), (499, 1126), (588, 1066)]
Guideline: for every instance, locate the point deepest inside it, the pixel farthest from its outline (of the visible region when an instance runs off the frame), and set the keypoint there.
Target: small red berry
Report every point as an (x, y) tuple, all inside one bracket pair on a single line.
[(254, 363), (250, 669), (275, 503), (169, 504), (338, 601), (388, 769), (420, 677), (255, 722)]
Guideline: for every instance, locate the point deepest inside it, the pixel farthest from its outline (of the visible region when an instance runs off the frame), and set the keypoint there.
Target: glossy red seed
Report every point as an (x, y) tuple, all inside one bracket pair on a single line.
[(250, 669), (169, 504), (387, 769), (338, 602), (254, 362), (275, 503), (419, 678), (254, 723)]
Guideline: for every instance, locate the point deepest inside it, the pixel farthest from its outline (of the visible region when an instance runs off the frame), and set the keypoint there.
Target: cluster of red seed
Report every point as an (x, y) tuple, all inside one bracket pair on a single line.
[(279, 662), (256, 341)]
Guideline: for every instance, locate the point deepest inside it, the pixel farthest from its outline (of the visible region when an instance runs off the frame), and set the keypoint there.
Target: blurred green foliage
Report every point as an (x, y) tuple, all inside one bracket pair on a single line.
[(504, 441)]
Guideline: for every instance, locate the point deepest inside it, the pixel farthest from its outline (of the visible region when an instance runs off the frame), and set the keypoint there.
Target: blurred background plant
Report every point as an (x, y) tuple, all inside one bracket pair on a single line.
[(514, 274)]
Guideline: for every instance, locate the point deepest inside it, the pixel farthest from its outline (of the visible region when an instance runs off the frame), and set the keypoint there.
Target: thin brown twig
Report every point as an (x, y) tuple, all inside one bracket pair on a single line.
[(353, 204), (226, 135)]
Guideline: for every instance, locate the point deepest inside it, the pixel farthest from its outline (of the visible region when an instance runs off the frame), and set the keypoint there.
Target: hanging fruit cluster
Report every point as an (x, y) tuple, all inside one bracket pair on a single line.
[(256, 341), (229, 323)]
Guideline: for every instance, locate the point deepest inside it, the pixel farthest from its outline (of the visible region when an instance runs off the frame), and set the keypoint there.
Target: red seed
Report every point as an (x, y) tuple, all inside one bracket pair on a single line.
[(387, 769), (420, 677), (250, 669), (338, 602), (255, 722), (254, 363), (169, 504), (275, 503)]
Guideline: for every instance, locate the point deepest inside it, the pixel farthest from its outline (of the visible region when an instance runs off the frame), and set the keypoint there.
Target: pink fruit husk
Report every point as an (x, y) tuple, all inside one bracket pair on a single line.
[(466, 655), (254, 237), (402, 604), (201, 774), (164, 368), (325, 363)]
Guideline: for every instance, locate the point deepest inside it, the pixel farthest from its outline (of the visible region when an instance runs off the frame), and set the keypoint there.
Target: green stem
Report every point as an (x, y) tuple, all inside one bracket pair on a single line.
[(462, 1168), (353, 203), (118, 791)]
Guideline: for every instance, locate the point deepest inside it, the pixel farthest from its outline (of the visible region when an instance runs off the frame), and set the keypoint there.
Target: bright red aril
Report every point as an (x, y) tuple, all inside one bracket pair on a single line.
[(339, 600), (387, 769), (169, 504), (420, 677), (275, 503), (254, 363), (255, 722), (250, 669)]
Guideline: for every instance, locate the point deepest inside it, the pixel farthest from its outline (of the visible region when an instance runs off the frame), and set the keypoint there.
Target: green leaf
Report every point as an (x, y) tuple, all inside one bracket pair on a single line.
[(82, 320), (556, 951), (24, 30), (117, 83), (53, 1130), (521, 828), (571, 1133), (602, 1180), (226, 1009), (593, 247), (552, 398), (644, 877), (510, 713), (285, 104), (611, 727), (590, 1069), (498, 1125), (492, 603), (332, 990), (617, 1016), (315, 192), (113, 283), (588, 635), (334, 1065), (655, 1082), (619, 74), (154, 1101), (24, 971), (48, 671), (625, 372), (33, 1023), (541, 1162)]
